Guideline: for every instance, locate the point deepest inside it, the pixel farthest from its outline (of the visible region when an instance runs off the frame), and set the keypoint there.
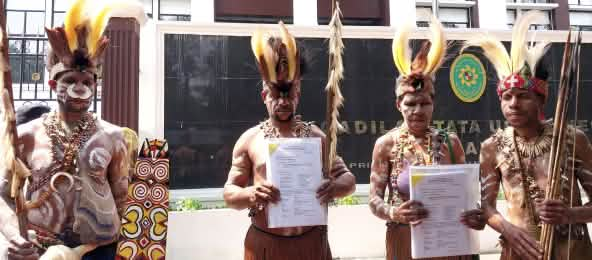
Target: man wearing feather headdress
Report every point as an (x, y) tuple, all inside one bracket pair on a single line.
[(518, 157), (78, 163), (281, 68), (414, 143)]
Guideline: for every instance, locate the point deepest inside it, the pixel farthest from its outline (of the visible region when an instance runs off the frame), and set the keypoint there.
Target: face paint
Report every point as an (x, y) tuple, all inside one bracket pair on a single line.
[(281, 105), (74, 91), (84, 93)]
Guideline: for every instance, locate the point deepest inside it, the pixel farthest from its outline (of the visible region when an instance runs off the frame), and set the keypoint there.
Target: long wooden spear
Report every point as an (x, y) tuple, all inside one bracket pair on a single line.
[(559, 134), (8, 134), (334, 97)]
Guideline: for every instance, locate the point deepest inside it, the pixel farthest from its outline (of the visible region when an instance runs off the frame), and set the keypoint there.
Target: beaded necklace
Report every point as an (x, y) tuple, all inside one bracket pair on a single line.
[(62, 141), (407, 148)]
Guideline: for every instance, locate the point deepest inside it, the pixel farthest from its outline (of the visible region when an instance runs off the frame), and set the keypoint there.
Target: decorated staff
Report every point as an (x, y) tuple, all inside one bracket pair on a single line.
[(333, 89)]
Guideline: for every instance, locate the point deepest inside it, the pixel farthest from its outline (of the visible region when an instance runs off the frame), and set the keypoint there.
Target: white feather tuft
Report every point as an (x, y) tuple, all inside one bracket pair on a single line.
[(519, 34), (495, 52)]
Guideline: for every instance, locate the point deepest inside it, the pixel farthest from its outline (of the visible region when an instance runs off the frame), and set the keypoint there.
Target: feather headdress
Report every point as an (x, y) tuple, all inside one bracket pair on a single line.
[(79, 44), (277, 57), (413, 74), (521, 68)]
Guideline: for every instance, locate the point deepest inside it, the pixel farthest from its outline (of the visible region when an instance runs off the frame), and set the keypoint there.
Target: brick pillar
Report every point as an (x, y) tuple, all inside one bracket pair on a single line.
[(121, 71), (561, 15), (474, 18), (386, 19)]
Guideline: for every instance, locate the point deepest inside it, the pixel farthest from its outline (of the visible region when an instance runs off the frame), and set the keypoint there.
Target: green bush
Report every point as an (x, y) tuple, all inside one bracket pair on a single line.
[(347, 200), (187, 204)]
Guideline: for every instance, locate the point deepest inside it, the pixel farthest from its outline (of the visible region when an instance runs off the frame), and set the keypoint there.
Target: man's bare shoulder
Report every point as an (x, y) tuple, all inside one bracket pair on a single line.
[(489, 149), (582, 141), (490, 144), (109, 127), (316, 131), (29, 129), (246, 138), (114, 132), (581, 137)]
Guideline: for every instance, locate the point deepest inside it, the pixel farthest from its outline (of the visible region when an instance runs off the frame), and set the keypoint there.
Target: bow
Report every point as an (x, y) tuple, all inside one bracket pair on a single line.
[(569, 67)]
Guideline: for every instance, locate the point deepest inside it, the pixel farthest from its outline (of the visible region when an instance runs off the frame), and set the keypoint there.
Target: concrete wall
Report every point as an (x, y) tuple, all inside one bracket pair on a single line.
[(218, 234)]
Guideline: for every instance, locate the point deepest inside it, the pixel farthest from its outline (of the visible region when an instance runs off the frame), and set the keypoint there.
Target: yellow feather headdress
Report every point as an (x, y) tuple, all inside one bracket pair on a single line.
[(425, 64), (79, 44), (277, 57), (520, 68)]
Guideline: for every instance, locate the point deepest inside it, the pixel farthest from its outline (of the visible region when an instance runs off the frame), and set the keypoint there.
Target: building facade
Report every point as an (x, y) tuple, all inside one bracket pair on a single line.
[(196, 69)]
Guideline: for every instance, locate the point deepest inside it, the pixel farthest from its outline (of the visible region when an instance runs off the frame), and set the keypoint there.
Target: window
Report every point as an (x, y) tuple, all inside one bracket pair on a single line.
[(450, 17), (530, 1), (511, 17), (545, 24), (174, 10), (365, 13), (148, 7), (580, 2), (581, 20), (254, 11), (25, 18), (58, 12)]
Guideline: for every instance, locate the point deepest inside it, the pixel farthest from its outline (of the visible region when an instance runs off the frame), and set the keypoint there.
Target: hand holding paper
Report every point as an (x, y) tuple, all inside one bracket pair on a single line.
[(446, 191), (294, 167), (410, 212), (263, 193)]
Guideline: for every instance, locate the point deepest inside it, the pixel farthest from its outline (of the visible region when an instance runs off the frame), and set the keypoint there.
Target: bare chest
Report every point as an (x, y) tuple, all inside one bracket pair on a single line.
[(516, 170), (258, 153), (45, 158)]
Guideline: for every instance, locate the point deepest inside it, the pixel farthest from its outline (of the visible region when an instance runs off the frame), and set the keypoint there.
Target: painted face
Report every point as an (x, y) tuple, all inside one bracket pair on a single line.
[(74, 91), (417, 109), (281, 106), (521, 107)]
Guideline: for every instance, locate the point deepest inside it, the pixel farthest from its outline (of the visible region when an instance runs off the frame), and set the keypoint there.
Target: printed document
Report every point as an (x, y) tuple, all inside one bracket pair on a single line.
[(445, 191), (294, 167)]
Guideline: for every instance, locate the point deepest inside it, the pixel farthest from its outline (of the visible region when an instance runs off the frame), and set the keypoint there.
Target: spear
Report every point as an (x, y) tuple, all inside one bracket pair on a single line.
[(8, 135), (334, 97), (570, 58)]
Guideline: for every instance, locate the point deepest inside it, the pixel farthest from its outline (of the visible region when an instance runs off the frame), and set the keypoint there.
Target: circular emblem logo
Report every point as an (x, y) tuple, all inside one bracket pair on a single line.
[(467, 77)]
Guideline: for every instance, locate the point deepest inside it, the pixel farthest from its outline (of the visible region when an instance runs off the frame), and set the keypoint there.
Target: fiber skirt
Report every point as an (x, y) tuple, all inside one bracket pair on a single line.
[(312, 245)]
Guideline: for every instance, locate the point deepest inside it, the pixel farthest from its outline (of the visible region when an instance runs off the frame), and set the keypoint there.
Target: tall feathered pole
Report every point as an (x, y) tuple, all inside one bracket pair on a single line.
[(8, 135), (334, 97), (559, 134)]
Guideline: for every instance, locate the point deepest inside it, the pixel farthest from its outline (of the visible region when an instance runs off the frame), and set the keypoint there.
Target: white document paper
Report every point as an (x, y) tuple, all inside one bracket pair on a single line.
[(445, 191), (294, 167)]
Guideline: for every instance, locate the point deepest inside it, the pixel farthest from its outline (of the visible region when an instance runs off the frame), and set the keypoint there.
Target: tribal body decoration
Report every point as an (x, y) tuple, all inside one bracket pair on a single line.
[(144, 223)]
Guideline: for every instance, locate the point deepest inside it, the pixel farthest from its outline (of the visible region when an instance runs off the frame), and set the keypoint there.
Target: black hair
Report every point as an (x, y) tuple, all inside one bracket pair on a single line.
[(542, 69), (27, 113)]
